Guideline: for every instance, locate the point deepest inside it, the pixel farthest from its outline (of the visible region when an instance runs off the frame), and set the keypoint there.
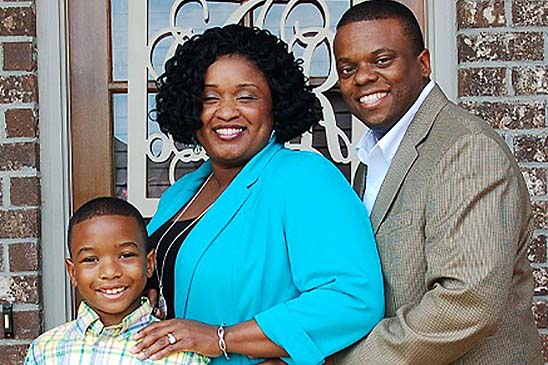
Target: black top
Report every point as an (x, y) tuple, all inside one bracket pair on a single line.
[(168, 280)]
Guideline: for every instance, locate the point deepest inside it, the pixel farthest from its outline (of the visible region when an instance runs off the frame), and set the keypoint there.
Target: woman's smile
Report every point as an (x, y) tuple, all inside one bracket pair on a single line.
[(227, 133)]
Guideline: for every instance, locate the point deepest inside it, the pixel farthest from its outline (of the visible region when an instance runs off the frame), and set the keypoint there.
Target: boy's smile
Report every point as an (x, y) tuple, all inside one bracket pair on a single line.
[(109, 265)]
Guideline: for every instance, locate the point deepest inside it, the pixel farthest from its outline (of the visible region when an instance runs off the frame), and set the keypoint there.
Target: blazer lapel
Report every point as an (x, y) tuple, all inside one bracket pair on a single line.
[(212, 223), (406, 155)]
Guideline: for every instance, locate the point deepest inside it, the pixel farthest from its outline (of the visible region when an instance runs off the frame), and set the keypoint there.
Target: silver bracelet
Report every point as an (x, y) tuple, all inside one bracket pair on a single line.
[(222, 342)]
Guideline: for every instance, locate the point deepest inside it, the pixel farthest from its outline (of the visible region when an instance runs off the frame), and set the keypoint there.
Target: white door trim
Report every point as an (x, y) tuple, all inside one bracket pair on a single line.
[(442, 41), (54, 157)]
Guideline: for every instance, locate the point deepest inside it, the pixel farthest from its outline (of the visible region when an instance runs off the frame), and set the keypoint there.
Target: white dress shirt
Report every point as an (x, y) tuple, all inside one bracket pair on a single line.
[(378, 154)]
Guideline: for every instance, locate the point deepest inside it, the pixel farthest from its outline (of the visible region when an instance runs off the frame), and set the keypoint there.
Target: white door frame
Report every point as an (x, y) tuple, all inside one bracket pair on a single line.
[(54, 158), (441, 22)]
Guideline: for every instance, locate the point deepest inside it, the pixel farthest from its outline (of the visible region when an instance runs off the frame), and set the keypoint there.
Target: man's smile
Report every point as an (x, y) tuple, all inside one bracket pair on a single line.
[(372, 100)]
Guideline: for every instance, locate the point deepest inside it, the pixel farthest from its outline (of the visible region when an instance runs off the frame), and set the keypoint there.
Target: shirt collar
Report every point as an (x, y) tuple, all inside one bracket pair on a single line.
[(391, 141), (88, 320)]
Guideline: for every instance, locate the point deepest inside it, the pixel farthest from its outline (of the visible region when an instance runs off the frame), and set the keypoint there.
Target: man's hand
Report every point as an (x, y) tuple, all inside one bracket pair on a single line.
[(328, 361), (273, 362)]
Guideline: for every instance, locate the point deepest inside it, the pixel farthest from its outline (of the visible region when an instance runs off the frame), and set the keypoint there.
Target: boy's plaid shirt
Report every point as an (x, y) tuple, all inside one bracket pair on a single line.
[(86, 341)]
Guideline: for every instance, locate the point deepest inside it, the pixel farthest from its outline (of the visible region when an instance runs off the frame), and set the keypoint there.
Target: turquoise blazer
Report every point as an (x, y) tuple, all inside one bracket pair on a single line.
[(289, 244)]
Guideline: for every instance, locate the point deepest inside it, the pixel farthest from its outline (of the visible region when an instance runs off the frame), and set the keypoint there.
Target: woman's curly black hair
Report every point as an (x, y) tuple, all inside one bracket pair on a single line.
[(179, 100)]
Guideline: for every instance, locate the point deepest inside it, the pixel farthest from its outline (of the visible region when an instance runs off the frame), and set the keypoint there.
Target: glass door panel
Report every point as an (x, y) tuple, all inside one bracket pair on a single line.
[(155, 161)]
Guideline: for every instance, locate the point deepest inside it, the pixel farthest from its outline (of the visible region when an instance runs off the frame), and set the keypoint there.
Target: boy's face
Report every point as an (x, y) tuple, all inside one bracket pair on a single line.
[(109, 265)]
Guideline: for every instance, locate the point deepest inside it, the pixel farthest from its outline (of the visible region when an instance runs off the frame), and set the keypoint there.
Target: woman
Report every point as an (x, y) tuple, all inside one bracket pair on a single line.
[(269, 250)]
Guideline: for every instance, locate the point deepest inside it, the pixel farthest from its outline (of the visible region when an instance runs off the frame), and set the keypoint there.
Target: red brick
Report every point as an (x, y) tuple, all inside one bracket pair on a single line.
[(537, 250), (518, 115), (485, 81), (540, 214), (536, 180), (531, 148), (530, 80), (18, 56), (20, 289), (20, 223), (26, 289), (20, 123), (15, 156), (18, 89), (25, 191), (518, 46), (24, 257), (17, 21), (540, 311), (28, 325), (544, 342), (540, 275), (480, 14), (12, 354), (527, 13)]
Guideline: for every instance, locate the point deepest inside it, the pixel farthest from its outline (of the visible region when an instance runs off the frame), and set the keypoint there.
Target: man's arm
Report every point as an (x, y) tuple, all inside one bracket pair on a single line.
[(476, 213)]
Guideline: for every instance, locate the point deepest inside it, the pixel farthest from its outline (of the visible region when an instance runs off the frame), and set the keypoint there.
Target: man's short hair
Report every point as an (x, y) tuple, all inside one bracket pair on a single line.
[(108, 206), (386, 9)]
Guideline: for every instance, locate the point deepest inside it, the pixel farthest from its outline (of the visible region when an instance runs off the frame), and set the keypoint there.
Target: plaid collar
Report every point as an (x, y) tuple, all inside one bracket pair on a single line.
[(88, 321)]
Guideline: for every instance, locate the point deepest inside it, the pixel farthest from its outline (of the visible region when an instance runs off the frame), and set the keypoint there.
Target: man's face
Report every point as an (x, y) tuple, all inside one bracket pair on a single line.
[(380, 74), (109, 265)]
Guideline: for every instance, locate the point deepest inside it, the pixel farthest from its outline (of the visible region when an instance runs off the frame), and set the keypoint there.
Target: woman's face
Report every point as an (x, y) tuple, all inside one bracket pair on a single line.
[(236, 111)]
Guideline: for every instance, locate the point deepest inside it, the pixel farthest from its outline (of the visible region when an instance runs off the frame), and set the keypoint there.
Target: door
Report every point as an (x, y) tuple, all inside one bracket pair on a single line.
[(99, 34)]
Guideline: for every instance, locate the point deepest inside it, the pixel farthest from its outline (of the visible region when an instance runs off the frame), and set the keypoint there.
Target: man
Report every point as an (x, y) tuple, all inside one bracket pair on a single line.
[(447, 201)]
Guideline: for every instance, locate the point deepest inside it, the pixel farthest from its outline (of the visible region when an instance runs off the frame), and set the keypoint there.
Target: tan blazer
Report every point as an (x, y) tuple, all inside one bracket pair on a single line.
[(452, 226)]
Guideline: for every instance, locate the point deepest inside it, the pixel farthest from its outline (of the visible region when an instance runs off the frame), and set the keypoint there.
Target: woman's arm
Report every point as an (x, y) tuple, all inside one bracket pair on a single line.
[(244, 338)]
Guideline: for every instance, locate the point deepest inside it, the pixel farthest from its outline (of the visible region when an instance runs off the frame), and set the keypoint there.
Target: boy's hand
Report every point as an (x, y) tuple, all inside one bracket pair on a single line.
[(193, 336), (152, 295)]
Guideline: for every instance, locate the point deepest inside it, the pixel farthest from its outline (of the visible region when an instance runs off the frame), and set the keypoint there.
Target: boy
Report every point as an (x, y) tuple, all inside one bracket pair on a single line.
[(109, 264)]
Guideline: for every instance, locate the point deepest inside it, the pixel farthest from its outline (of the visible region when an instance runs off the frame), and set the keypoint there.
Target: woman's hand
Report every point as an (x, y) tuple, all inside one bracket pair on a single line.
[(189, 335)]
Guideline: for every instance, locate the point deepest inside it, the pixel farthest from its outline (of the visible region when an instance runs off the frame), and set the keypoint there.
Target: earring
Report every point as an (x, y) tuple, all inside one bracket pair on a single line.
[(197, 149)]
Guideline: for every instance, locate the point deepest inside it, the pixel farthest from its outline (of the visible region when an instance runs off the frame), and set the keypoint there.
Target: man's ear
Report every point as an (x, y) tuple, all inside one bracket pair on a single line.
[(424, 62), (70, 269), (151, 263)]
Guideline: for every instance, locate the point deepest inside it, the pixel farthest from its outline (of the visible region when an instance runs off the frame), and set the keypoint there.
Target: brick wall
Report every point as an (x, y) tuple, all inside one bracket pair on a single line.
[(19, 178), (503, 77)]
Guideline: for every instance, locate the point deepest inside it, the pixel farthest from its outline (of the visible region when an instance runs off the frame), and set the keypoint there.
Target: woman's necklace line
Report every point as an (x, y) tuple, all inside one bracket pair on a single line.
[(159, 275)]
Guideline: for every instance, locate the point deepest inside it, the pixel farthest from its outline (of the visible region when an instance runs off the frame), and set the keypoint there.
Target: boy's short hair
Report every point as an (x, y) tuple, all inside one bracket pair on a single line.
[(108, 206), (386, 9)]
